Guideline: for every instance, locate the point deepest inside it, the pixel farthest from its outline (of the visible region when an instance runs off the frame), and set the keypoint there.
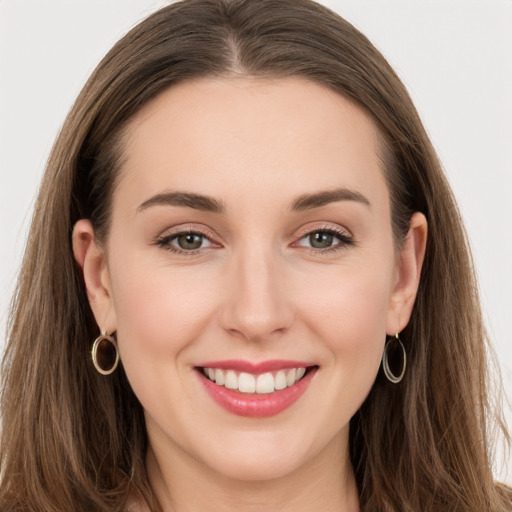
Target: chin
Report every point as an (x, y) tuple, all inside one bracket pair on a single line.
[(260, 456), (258, 468)]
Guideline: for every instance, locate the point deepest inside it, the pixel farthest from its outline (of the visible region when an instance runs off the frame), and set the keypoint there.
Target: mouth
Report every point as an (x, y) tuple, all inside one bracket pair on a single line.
[(263, 383), (261, 390)]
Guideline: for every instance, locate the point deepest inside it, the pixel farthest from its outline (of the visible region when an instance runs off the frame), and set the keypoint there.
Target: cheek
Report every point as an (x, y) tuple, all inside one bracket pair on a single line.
[(350, 316), (159, 310), (161, 313)]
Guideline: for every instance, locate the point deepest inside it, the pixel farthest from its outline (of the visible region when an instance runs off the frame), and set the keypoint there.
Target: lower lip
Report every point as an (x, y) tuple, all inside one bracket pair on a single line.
[(257, 405)]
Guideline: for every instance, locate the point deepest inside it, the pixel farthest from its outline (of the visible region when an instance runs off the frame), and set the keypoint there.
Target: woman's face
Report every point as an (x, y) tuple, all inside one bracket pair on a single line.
[(251, 240)]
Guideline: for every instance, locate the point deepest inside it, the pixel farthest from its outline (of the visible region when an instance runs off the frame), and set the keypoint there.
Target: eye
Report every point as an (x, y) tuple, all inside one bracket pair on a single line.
[(185, 242), (189, 241), (325, 239), (321, 239)]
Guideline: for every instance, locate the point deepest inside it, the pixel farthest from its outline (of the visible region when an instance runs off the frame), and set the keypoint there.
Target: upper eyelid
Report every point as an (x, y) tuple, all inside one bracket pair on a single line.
[(212, 237), (165, 241), (324, 227), (180, 230)]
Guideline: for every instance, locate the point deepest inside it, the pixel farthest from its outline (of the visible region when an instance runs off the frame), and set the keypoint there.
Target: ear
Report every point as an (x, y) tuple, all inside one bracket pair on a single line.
[(410, 262), (92, 260)]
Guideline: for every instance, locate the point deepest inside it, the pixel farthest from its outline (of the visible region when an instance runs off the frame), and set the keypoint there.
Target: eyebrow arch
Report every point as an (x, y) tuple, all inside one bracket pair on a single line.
[(196, 201), (322, 198)]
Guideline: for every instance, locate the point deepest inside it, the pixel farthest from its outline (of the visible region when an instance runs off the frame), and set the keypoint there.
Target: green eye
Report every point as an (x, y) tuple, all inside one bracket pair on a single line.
[(327, 239), (321, 239), (189, 241), (185, 242)]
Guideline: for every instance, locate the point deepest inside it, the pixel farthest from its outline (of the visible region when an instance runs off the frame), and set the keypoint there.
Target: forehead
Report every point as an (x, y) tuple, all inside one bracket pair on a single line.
[(246, 135)]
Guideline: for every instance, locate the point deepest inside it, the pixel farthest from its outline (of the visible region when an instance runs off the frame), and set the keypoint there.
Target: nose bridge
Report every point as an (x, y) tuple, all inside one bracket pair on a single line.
[(258, 304)]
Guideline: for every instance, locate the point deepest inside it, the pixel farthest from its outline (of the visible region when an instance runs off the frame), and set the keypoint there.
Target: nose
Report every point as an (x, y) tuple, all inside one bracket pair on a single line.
[(258, 305)]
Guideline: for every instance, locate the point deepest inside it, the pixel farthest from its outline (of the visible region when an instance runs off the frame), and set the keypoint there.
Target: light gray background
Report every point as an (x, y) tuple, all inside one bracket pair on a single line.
[(454, 56)]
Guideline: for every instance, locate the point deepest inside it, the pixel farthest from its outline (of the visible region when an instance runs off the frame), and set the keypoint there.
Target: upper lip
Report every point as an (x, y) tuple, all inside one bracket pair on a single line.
[(255, 368)]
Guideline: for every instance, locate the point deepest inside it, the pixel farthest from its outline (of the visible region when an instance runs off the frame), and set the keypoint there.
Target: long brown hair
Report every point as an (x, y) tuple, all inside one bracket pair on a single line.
[(75, 440)]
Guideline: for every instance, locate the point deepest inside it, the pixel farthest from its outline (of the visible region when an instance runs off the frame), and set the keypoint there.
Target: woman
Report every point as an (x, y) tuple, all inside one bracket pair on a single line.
[(247, 218)]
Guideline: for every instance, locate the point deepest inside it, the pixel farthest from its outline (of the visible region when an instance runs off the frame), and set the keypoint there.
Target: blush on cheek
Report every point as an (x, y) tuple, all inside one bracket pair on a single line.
[(352, 314), (159, 315)]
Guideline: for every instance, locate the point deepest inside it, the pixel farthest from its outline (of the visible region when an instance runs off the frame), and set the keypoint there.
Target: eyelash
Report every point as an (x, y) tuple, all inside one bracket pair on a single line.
[(165, 241), (345, 241)]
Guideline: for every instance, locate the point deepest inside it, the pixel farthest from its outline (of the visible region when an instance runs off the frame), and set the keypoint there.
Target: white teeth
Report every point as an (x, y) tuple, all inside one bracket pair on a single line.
[(264, 383), (219, 377), (231, 380), (280, 380), (246, 383), (290, 378)]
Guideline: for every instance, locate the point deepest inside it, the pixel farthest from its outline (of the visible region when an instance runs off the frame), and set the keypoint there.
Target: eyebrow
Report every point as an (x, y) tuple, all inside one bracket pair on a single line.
[(196, 201), (209, 204), (317, 199)]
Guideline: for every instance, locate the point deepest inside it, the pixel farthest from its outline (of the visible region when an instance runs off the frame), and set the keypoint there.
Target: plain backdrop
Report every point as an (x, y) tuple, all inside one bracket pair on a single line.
[(455, 57)]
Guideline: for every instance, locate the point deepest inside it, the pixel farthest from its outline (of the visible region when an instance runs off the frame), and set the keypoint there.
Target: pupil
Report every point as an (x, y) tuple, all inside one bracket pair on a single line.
[(190, 241), (321, 240)]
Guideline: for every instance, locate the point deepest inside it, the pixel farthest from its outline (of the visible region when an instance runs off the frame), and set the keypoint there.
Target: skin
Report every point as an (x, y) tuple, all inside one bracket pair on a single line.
[(255, 290)]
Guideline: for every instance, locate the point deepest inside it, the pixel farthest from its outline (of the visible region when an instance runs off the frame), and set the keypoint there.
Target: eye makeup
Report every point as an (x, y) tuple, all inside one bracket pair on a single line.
[(316, 240)]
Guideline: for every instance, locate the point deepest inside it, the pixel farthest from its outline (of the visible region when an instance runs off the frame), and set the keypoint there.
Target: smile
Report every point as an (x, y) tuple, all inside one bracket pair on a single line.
[(256, 390), (248, 383)]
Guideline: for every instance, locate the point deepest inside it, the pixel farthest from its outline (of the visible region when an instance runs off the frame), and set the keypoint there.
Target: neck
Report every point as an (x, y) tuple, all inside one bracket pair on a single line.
[(327, 483)]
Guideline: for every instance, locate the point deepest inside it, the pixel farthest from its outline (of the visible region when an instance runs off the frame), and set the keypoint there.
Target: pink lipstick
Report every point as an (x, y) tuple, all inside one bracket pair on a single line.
[(256, 390)]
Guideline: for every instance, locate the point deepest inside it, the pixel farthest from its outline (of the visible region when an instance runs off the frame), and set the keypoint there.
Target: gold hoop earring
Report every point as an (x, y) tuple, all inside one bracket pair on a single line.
[(395, 379), (104, 354)]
